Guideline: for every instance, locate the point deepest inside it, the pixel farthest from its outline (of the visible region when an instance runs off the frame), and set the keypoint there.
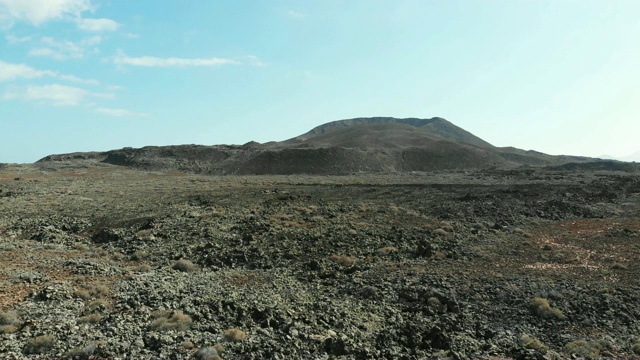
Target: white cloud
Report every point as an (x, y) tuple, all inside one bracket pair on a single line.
[(151, 61), (58, 95), (295, 14), (39, 11), (119, 112), (98, 25), (9, 72), (64, 49)]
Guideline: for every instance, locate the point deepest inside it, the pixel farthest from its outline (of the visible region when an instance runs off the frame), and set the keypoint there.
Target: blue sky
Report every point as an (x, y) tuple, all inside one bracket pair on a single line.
[(558, 76)]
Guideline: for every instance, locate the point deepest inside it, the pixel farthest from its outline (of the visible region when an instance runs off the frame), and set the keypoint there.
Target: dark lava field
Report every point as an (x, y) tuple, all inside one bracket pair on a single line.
[(107, 262)]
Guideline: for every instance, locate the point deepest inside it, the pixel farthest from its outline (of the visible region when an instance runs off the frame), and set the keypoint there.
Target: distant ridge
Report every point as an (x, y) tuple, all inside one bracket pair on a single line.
[(360, 145)]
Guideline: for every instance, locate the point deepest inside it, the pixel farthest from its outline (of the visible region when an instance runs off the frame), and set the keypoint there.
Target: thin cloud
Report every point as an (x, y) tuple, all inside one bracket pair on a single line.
[(98, 25), (253, 60), (64, 49), (13, 40), (119, 112), (56, 94), (38, 12), (10, 72), (151, 61), (296, 15)]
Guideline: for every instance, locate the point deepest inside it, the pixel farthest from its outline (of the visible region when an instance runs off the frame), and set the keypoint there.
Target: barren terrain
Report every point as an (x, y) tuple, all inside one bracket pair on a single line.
[(110, 262)]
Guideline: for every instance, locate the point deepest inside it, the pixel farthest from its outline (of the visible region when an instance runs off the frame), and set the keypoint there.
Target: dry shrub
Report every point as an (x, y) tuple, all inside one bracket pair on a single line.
[(8, 329), (9, 318), (440, 232), (235, 335), (166, 320), (92, 291), (81, 352), (583, 348), (530, 342), (99, 304), (343, 260), (386, 250), (207, 353), (40, 344), (90, 319), (542, 308), (141, 268), (139, 255), (184, 265)]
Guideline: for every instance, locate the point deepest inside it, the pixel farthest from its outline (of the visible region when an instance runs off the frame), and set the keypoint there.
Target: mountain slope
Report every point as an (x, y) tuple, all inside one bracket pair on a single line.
[(367, 132), (373, 145)]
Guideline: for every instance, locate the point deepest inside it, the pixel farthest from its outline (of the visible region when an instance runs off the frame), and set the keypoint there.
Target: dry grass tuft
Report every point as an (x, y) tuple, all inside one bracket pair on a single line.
[(88, 292), (542, 308), (386, 250), (530, 342), (343, 260), (235, 335), (40, 345), (167, 320), (184, 265), (90, 319)]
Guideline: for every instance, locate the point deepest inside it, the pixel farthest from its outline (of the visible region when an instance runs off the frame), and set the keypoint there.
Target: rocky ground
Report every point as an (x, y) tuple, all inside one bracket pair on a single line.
[(111, 263)]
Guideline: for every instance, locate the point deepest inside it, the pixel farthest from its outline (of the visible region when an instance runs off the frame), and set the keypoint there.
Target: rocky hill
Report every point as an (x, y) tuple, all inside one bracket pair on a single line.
[(372, 145)]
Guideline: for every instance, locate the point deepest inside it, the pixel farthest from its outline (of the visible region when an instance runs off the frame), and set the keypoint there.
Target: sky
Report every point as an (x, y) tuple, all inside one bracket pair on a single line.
[(557, 76)]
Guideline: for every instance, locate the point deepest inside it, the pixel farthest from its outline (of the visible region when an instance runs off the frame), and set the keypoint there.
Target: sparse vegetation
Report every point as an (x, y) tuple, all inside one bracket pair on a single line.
[(99, 304), (81, 352), (530, 342), (88, 292), (9, 318), (343, 260), (583, 348), (90, 319), (141, 268), (9, 322), (434, 305), (386, 250), (40, 345), (207, 353), (8, 329), (440, 232), (184, 265), (234, 335), (167, 320), (542, 308), (139, 255)]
